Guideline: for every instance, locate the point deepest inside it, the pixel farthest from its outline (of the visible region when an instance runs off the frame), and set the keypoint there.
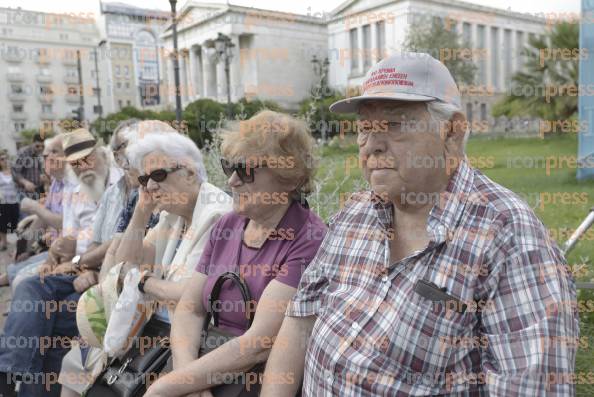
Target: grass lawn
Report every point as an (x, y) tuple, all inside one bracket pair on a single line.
[(539, 170)]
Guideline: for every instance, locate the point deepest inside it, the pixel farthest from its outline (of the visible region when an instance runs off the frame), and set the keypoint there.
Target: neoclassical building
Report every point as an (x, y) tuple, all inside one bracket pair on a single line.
[(360, 32), (271, 54)]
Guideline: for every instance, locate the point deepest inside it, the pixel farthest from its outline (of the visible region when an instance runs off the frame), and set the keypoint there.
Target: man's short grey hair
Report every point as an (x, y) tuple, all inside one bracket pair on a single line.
[(442, 111), (174, 145)]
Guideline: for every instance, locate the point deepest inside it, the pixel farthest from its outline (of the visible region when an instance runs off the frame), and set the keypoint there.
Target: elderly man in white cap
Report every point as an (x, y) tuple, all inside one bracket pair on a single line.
[(437, 281), (43, 307)]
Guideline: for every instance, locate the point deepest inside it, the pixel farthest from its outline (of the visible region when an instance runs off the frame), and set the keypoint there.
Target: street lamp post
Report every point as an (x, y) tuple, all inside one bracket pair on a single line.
[(320, 68), (99, 107), (224, 51), (178, 105)]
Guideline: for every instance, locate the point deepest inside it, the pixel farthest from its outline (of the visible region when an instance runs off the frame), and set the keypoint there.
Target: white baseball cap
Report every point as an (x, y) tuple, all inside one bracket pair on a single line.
[(407, 76)]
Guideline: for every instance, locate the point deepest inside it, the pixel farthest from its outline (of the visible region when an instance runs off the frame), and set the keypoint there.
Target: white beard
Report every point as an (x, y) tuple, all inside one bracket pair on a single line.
[(96, 188)]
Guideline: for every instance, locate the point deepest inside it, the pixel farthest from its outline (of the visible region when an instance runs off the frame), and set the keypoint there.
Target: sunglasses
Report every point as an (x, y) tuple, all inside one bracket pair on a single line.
[(157, 175), (244, 172)]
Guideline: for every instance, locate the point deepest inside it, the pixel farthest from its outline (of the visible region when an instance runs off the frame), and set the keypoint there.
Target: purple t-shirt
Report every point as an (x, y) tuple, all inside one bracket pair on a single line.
[(283, 257)]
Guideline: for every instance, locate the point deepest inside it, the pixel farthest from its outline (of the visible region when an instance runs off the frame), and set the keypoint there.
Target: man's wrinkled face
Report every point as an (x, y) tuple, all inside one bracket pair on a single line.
[(54, 159), (400, 150), (90, 167)]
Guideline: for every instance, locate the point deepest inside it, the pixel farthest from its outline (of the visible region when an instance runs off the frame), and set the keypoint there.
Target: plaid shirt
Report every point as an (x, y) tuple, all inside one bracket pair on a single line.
[(375, 335), (28, 165)]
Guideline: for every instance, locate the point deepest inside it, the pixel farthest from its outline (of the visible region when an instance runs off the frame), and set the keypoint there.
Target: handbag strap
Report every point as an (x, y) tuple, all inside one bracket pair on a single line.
[(214, 297)]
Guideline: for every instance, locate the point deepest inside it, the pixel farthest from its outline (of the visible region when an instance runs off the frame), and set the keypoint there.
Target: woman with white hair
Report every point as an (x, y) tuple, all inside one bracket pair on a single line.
[(173, 180)]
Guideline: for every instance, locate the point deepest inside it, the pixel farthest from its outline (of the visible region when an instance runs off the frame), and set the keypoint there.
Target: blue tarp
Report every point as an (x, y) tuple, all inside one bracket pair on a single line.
[(586, 99)]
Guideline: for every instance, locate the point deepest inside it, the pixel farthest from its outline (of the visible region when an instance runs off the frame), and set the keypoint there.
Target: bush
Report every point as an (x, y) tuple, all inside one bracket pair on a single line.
[(318, 115)]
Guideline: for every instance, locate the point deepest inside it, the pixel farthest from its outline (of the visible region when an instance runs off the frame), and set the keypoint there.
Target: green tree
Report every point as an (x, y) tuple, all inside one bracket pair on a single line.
[(203, 117), (551, 66), (315, 111), (443, 43)]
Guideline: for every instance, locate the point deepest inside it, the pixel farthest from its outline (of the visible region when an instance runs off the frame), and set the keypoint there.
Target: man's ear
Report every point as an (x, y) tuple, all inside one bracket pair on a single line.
[(454, 135)]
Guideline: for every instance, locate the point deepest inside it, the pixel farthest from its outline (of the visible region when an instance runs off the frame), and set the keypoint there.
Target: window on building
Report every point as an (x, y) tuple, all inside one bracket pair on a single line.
[(44, 72), (483, 111), (47, 108), (469, 112), (366, 47), (17, 107), (519, 49), (381, 39), (14, 69), (16, 88), (120, 104), (481, 44), (45, 90), (119, 85), (128, 103), (127, 86), (354, 40), (126, 71), (18, 127), (71, 72), (507, 54), (467, 34), (117, 70), (495, 59), (95, 92)]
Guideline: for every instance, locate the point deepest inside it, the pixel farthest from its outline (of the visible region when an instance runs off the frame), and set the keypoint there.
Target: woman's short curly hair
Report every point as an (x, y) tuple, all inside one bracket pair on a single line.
[(282, 142)]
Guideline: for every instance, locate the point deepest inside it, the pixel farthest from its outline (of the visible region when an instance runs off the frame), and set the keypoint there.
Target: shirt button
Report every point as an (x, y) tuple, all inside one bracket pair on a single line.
[(356, 326), (385, 279), (329, 376)]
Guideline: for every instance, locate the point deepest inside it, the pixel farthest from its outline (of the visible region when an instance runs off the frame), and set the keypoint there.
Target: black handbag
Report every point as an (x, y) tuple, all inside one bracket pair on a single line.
[(241, 384), (130, 376)]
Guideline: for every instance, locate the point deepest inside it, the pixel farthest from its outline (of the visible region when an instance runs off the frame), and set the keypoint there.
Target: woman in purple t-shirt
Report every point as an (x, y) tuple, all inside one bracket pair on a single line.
[(269, 239)]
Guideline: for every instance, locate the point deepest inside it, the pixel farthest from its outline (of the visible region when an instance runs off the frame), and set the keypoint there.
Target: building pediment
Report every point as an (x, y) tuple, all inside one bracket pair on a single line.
[(355, 6)]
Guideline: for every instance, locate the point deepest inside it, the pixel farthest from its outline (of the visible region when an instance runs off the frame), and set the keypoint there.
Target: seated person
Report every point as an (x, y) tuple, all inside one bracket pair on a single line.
[(268, 239), (173, 181), (46, 217), (438, 281)]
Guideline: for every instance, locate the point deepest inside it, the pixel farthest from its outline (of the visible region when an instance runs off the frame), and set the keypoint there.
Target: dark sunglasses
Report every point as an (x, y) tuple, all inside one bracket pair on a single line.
[(157, 175), (244, 172)]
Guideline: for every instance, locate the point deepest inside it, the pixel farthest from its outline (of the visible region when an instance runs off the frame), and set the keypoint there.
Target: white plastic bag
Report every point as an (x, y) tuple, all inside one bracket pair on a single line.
[(127, 318)]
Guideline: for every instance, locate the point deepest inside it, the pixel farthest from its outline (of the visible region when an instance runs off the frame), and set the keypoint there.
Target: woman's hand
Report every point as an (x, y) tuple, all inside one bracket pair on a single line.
[(146, 203)]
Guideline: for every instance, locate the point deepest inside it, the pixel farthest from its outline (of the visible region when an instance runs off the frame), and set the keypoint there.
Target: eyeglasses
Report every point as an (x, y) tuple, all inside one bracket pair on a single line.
[(244, 172), (157, 175)]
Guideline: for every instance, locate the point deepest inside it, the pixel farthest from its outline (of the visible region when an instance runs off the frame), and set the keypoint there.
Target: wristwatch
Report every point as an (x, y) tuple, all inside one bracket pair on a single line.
[(76, 262), (142, 281)]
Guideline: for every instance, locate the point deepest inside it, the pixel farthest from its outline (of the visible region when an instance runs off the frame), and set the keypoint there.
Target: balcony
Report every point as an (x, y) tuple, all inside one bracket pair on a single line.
[(44, 78), (18, 115), (17, 97), (69, 62), (15, 77), (42, 60), (47, 116), (14, 57), (71, 79), (72, 98)]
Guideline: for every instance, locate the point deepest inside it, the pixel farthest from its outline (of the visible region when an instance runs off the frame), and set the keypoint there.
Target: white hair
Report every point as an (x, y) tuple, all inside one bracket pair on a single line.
[(442, 111), (174, 145)]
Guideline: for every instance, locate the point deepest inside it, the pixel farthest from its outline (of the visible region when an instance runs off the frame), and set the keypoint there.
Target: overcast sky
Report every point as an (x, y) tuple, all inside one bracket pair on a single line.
[(299, 6)]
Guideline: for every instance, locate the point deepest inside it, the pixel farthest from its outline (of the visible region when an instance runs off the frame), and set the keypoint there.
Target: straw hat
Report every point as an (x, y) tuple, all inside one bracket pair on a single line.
[(78, 144)]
